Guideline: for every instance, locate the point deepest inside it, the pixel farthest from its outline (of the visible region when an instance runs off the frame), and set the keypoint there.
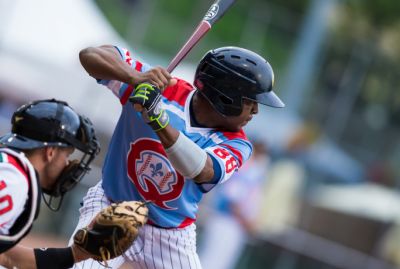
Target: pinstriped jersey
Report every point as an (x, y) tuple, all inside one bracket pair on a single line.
[(136, 166)]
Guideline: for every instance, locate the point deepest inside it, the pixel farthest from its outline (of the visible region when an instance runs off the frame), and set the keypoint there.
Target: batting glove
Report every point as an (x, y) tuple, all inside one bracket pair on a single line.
[(149, 97)]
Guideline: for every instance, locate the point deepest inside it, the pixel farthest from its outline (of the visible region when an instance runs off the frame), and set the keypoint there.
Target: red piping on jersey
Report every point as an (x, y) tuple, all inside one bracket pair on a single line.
[(126, 95), (233, 135), (129, 90), (14, 161), (186, 222)]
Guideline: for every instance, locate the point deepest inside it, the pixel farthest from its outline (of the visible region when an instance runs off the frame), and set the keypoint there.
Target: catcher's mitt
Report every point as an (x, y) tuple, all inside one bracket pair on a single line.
[(113, 230)]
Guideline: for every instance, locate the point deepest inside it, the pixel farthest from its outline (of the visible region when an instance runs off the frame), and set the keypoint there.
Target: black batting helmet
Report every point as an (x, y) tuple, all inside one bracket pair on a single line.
[(54, 123), (227, 75)]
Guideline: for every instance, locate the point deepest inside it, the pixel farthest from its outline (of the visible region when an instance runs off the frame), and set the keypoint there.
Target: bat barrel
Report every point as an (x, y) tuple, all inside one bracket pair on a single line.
[(214, 13), (200, 31)]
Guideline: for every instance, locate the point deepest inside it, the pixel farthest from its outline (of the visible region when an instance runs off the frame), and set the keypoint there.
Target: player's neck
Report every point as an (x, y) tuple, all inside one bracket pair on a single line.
[(202, 113)]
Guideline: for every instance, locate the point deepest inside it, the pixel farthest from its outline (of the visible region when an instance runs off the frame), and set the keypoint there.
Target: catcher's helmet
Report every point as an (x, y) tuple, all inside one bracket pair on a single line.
[(227, 75), (54, 123)]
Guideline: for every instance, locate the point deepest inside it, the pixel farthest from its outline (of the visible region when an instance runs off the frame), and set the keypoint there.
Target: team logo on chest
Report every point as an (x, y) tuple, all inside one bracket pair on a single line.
[(152, 173)]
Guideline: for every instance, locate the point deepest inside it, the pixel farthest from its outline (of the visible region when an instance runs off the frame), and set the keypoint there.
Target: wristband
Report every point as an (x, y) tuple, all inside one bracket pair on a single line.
[(158, 122), (55, 258), (186, 157)]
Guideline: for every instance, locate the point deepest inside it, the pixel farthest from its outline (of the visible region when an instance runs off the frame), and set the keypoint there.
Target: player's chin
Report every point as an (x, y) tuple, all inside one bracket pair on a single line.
[(244, 124), (236, 128)]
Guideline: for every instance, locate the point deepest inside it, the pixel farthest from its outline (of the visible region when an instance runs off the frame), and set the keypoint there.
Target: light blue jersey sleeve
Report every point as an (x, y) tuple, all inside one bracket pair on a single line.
[(227, 158)]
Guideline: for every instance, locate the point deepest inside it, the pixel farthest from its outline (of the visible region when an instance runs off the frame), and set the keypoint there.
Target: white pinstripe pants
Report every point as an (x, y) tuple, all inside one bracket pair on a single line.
[(154, 248)]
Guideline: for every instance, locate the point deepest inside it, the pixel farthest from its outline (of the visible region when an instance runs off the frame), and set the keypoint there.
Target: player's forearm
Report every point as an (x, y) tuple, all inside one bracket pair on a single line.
[(106, 63), (29, 258), (169, 137), (18, 257)]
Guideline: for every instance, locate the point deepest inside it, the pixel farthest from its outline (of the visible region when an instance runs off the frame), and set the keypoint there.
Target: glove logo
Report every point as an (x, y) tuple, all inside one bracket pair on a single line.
[(152, 173)]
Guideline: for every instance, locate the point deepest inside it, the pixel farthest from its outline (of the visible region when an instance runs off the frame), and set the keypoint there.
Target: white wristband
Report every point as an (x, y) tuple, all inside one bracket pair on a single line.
[(186, 157)]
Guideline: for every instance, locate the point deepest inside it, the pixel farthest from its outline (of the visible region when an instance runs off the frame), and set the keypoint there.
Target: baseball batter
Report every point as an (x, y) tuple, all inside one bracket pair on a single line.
[(171, 146)]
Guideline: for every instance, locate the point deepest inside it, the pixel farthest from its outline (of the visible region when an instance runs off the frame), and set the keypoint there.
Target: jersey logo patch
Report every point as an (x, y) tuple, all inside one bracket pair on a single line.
[(153, 175)]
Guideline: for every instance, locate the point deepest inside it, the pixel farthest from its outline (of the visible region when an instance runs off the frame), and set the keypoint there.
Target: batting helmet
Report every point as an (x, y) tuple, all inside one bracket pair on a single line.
[(54, 123), (227, 75)]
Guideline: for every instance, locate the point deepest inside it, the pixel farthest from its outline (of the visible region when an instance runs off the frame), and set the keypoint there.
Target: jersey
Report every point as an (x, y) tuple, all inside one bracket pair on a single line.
[(19, 197), (136, 166)]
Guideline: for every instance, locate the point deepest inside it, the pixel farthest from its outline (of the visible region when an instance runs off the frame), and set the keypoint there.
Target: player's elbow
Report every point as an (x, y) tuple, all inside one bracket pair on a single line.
[(206, 174), (92, 60), (86, 56)]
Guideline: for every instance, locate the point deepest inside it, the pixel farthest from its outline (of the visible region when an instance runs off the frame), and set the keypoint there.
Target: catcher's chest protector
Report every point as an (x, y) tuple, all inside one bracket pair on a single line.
[(24, 222)]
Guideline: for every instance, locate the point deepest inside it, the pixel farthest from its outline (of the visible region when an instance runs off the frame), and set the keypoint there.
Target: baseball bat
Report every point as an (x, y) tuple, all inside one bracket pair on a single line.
[(214, 13)]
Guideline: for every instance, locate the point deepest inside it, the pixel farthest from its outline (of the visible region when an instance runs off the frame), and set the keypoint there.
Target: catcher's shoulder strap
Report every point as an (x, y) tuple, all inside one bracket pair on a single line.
[(24, 222)]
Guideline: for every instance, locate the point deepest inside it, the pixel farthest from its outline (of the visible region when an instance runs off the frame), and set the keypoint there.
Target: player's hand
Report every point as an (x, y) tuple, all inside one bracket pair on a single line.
[(149, 98), (157, 76)]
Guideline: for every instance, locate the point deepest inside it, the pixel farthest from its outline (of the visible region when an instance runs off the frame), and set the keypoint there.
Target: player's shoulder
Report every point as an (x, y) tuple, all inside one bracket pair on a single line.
[(14, 160), (237, 143), (178, 92), (132, 60), (241, 135)]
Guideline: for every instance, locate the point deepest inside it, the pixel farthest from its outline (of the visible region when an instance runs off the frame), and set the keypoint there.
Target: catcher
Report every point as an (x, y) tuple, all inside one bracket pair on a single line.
[(34, 158)]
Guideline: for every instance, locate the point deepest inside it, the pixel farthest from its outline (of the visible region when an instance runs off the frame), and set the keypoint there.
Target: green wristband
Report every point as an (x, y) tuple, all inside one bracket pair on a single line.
[(160, 121)]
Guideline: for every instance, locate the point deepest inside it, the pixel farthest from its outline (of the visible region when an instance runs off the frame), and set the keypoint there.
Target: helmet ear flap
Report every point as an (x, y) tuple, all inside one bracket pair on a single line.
[(225, 99)]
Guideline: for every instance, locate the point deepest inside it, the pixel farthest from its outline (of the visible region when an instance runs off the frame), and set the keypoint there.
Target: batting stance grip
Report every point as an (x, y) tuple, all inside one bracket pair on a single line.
[(216, 11)]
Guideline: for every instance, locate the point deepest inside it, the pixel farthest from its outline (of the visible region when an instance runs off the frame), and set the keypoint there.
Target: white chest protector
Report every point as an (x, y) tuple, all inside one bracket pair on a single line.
[(19, 197)]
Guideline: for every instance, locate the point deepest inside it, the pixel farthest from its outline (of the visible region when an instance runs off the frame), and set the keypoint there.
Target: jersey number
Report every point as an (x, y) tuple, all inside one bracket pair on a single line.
[(231, 163), (6, 203)]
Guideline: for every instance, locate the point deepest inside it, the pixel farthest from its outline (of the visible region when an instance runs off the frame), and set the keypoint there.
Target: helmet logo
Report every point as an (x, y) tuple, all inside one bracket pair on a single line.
[(212, 12), (18, 118)]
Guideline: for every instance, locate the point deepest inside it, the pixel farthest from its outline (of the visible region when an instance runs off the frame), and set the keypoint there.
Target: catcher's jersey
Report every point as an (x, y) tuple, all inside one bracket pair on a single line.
[(19, 197), (136, 166)]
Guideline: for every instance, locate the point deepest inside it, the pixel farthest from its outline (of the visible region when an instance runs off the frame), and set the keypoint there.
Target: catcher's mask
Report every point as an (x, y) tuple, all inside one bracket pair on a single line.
[(227, 75), (51, 122)]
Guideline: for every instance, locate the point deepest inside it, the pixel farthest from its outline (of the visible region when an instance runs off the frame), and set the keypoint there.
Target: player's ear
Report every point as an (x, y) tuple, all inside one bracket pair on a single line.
[(49, 153)]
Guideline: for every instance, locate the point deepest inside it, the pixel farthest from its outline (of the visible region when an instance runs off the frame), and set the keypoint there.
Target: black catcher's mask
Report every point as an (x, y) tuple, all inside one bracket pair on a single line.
[(54, 123)]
